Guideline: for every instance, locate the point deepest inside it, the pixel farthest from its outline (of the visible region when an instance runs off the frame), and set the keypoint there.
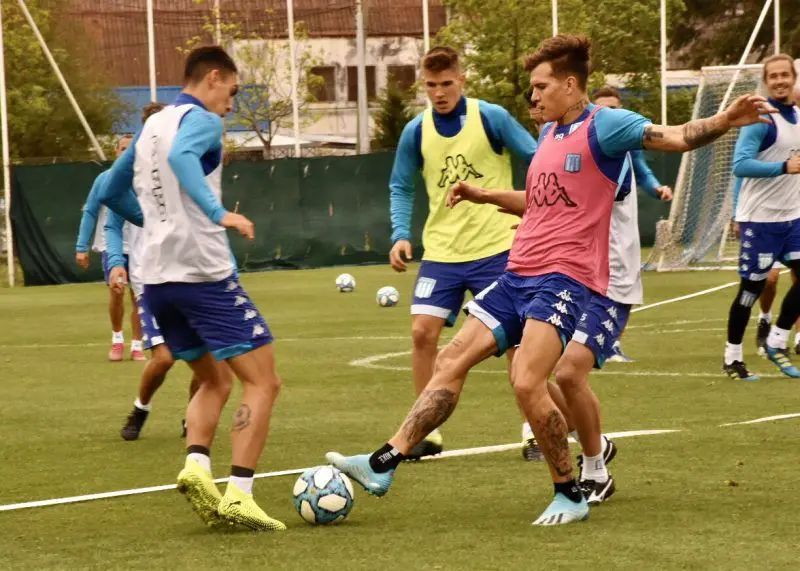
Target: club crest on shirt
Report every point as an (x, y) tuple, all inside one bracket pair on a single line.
[(547, 192), (457, 169), (572, 162)]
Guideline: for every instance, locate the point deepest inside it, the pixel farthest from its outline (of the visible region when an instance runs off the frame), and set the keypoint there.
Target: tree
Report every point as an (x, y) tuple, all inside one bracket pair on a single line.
[(264, 102), (393, 115), (624, 34), (41, 120)]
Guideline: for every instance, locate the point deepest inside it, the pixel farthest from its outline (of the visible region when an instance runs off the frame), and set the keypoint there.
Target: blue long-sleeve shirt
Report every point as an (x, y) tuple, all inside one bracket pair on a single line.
[(502, 130), (196, 151), (91, 210), (113, 231), (645, 179), (756, 138)]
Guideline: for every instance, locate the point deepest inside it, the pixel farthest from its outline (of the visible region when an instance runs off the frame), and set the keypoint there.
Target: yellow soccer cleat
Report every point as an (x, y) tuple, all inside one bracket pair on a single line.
[(197, 484), (238, 508)]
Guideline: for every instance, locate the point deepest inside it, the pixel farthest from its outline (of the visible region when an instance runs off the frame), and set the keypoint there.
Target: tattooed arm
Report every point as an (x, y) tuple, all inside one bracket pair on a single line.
[(745, 110)]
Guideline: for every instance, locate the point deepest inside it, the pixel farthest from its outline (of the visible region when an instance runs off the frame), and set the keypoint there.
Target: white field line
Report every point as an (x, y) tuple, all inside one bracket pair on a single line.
[(765, 419), (152, 489)]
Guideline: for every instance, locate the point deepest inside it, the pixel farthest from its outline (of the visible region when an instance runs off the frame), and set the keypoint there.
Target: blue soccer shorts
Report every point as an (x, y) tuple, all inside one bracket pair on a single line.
[(441, 286), (151, 332), (763, 244), (600, 325), (106, 269), (506, 304), (216, 317)]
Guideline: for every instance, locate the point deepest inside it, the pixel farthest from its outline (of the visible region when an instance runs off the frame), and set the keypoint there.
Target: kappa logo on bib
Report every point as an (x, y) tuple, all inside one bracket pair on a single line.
[(457, 169)]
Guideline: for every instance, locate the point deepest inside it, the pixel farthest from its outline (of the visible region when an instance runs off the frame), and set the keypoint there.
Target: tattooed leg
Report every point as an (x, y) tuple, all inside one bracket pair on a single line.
[(250, 425)]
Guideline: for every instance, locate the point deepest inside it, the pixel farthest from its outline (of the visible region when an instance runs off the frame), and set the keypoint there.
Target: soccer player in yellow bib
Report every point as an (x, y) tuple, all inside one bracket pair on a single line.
[(456, 139)]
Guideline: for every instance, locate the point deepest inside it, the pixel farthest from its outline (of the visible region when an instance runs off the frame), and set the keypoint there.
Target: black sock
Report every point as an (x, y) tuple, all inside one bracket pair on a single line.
[(569, 489), (385, 458), (197, 449), (241, 472)]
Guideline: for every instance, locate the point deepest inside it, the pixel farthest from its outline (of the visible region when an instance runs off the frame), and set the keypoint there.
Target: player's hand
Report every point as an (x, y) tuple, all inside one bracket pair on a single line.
[(118, 279), (664, 193), (462, 191), (735, 228), (401, 249), (793, 165), (240, 223), (82, 259), (748, 109)]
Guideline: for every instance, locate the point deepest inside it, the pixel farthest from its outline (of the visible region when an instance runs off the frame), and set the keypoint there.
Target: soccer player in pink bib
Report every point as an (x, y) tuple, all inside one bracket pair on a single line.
[(558, 258)]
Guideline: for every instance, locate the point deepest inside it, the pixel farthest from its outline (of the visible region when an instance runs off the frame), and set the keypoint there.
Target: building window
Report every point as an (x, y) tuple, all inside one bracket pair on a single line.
[(326, 90), (352, 83), (403, 77)]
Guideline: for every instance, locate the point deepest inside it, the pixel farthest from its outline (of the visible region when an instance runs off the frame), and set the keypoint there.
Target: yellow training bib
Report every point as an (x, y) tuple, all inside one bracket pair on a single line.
[(469, 231)]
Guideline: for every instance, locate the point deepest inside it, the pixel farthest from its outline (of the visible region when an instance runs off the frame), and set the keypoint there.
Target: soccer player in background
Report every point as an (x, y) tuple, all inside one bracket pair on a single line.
[(455, 139), (608, 96), (161, 360), (93, 220), (191, 286), (559, 255), (767, 158)]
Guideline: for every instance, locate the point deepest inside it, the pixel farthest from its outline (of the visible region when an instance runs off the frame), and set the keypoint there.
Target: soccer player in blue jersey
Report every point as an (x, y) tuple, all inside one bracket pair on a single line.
[(767, 158), (190, 281), (456, 139), (92, 220)]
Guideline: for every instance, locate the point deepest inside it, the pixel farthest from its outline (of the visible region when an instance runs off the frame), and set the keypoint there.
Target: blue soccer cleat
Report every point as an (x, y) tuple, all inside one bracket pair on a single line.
[(563, 510), (358, 468), (618, 355), (781, 358)]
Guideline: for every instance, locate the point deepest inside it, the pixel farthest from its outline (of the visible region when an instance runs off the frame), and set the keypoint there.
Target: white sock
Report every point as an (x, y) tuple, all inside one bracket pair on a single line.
[(527, 433), (594, 468), (733, 353), (138, 404), (765, 316), (136, 345), (117, 337), (616, 344), (202, 459), (244, 484), (778, 338)]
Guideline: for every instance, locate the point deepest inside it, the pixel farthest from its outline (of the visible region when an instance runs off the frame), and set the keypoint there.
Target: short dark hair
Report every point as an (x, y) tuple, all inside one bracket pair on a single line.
[(151, 109), (567, 54), (201, 61), (606, 91), (440, 58), (779, 57)]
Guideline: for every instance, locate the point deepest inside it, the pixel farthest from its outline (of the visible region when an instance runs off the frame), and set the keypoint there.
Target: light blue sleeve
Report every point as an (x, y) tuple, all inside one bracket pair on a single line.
[(401, 186), (91, 210), (619, 131), (117, 192), (200, 132), (737, 186), (114, 240), (514, 136), (645, 179), (748, 146)]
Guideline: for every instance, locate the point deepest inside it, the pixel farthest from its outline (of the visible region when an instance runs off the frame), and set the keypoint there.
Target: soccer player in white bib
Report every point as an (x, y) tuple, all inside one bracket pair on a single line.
[(93, 220), (767, 159), (191, 286)]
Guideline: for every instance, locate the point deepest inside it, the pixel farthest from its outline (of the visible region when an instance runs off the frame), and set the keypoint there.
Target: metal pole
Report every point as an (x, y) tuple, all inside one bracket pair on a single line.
[(555, 17), (217, 25), (61, 79), (293, 71), (151, 51), (777, 26), (6, 159), (746, 53), (426, 26), (664, 62), (363, 113)]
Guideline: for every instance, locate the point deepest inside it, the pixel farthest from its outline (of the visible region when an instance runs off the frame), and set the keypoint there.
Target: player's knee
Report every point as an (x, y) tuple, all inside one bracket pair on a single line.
[(526, 388), (772, 279), (567, 377), (162, 359), (423, 336)]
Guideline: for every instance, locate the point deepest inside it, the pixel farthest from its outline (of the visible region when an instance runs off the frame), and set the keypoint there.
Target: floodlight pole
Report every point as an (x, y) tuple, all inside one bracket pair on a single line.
[(664, 62), (151, 51), (426, 27), (554, 9), (6, 156), (777, 26), (362, 93), (294, 78), (61, 79), (217, 25)]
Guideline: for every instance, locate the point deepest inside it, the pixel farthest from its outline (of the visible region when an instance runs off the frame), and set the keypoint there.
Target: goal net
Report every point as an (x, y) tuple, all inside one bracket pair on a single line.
[(697, 234)]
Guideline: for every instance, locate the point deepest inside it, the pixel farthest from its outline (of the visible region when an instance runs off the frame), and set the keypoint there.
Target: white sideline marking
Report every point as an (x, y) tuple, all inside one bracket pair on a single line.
[(765, 419), (152, 489), (685, 297)]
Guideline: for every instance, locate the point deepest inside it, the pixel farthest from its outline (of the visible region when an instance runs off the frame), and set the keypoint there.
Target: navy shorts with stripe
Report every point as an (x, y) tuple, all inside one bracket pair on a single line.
[(764, 243), (151, 332), (600, 325)]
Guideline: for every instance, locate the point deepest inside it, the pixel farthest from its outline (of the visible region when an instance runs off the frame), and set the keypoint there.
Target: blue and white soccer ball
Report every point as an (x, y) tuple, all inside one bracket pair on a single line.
[(323, 495), (345, 283), (387, 296)]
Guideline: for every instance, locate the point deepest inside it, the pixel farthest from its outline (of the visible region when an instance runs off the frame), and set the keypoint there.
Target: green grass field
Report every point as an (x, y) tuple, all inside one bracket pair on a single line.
[(706, 497)]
